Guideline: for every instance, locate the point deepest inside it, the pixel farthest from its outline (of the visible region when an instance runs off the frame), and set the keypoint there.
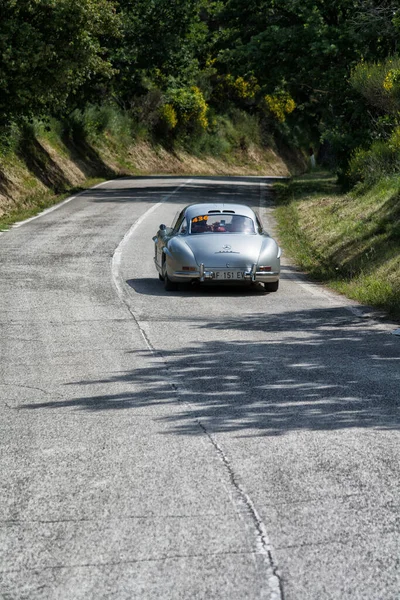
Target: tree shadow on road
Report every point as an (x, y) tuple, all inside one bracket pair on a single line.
[(320, 369), (147, 189)]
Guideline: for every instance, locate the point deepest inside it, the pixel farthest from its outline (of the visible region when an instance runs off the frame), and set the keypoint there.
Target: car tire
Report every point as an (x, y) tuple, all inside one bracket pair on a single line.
[(169, 286), (271, 286)]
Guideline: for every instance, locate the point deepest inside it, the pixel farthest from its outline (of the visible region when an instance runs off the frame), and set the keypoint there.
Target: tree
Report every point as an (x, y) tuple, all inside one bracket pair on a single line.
[(308, 48), (159, 46), (48, 50)]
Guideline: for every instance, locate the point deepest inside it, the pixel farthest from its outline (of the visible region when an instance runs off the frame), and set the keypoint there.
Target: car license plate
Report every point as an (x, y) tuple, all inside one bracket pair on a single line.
[(229, 275)]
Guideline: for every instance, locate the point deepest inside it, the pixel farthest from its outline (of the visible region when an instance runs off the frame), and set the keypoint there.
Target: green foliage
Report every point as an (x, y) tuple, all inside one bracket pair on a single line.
[(379, 83), (159, 45), (48, 50), (350, 241), (190, 107), (227, 135), (10, 138), (279, 105), (309, 49), (95, 122), (311, 71), (380, 160)]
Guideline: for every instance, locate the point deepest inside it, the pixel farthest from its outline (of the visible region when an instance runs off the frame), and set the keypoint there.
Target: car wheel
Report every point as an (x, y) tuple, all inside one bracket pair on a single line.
[(271, 286), (169, 286)]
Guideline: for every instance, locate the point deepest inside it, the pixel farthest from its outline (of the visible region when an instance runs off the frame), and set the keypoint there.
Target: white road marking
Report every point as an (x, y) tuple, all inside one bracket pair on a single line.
[(55, 207)]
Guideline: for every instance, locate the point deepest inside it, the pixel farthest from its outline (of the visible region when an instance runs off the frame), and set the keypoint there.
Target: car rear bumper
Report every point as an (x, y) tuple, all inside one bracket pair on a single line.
[(206, 274)]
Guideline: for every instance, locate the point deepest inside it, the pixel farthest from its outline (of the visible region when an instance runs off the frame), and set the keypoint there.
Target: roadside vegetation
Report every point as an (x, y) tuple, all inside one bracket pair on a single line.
[(350, 241), (46, 160)]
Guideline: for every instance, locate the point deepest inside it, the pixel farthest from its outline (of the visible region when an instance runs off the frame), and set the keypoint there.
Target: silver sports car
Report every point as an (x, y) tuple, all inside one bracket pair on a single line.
[(216, 243)]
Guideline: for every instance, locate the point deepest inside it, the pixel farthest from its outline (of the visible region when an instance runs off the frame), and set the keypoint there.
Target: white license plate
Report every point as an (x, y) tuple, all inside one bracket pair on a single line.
[(229, 275)]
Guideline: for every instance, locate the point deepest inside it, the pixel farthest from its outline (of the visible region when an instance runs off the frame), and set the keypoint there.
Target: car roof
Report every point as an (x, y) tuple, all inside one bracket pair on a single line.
[(194, 210)]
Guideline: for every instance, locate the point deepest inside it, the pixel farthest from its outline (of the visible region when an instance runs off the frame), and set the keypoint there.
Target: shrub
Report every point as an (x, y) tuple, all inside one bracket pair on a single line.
[(190, 106), (380, 160), (10, 138), (279, 105), (226, 134), (168, 116), (96, 121), (379, 83)]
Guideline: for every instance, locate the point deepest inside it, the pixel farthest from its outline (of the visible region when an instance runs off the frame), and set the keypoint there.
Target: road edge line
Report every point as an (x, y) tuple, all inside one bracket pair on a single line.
[(46, 211)]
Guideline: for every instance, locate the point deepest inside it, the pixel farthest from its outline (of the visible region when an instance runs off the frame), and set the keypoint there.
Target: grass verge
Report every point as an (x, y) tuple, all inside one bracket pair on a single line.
[(351, 242)]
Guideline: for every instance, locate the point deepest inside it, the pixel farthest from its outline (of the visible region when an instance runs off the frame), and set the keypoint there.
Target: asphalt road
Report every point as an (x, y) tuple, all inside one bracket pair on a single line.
[(207, 443)]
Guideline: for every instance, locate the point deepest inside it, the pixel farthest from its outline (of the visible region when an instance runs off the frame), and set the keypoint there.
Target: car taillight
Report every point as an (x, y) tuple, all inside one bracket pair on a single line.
[(188, 268), (264, 269)]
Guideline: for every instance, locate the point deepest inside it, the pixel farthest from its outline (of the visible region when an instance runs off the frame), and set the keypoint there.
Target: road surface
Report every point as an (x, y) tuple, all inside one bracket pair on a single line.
[(207, 443)]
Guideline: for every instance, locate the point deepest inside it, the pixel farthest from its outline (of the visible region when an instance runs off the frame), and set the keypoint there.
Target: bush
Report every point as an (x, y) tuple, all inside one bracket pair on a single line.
[(380, 160), (168, 117), (95, 121), (379, 83), (279, 105), (10, 138), (190, 107), (234, 132), (98, 120)]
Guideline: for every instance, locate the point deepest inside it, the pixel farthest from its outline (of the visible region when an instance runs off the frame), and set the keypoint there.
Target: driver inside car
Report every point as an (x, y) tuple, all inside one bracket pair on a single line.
[(219, 226), (199, 227)]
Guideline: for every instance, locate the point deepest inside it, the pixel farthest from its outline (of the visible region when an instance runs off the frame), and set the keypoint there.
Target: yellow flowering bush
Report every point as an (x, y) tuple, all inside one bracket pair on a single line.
[(392, 78), (201, 107), (190, 106), (168, 116), (279, 105), (244, 89)]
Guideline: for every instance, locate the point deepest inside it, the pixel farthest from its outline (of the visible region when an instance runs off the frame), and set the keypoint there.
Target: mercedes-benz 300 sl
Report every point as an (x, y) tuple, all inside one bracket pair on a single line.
[(217, 243)]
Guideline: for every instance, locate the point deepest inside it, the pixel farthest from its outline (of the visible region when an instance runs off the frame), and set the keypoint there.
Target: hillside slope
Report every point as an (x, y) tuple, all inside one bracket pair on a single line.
[(45, 166), (350, 241)]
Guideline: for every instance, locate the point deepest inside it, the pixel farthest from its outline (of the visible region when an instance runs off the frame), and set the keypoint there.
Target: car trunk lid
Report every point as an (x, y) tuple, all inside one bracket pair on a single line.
[(225, 250)]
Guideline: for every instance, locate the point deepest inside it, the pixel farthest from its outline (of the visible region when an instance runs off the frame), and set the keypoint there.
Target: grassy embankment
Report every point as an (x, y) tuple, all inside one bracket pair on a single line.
[(350, 241), (42, 164)]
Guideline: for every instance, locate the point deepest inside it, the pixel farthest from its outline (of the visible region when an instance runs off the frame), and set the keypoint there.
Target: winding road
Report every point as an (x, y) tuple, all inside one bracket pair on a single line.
[(209, 443)]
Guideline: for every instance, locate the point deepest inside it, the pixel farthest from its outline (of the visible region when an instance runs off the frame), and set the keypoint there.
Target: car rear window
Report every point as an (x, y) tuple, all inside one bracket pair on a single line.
[(221, 223)]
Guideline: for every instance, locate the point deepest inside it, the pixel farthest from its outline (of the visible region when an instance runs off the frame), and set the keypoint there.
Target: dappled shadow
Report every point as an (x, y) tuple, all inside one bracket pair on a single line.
[(260, 374), (192, 192)]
